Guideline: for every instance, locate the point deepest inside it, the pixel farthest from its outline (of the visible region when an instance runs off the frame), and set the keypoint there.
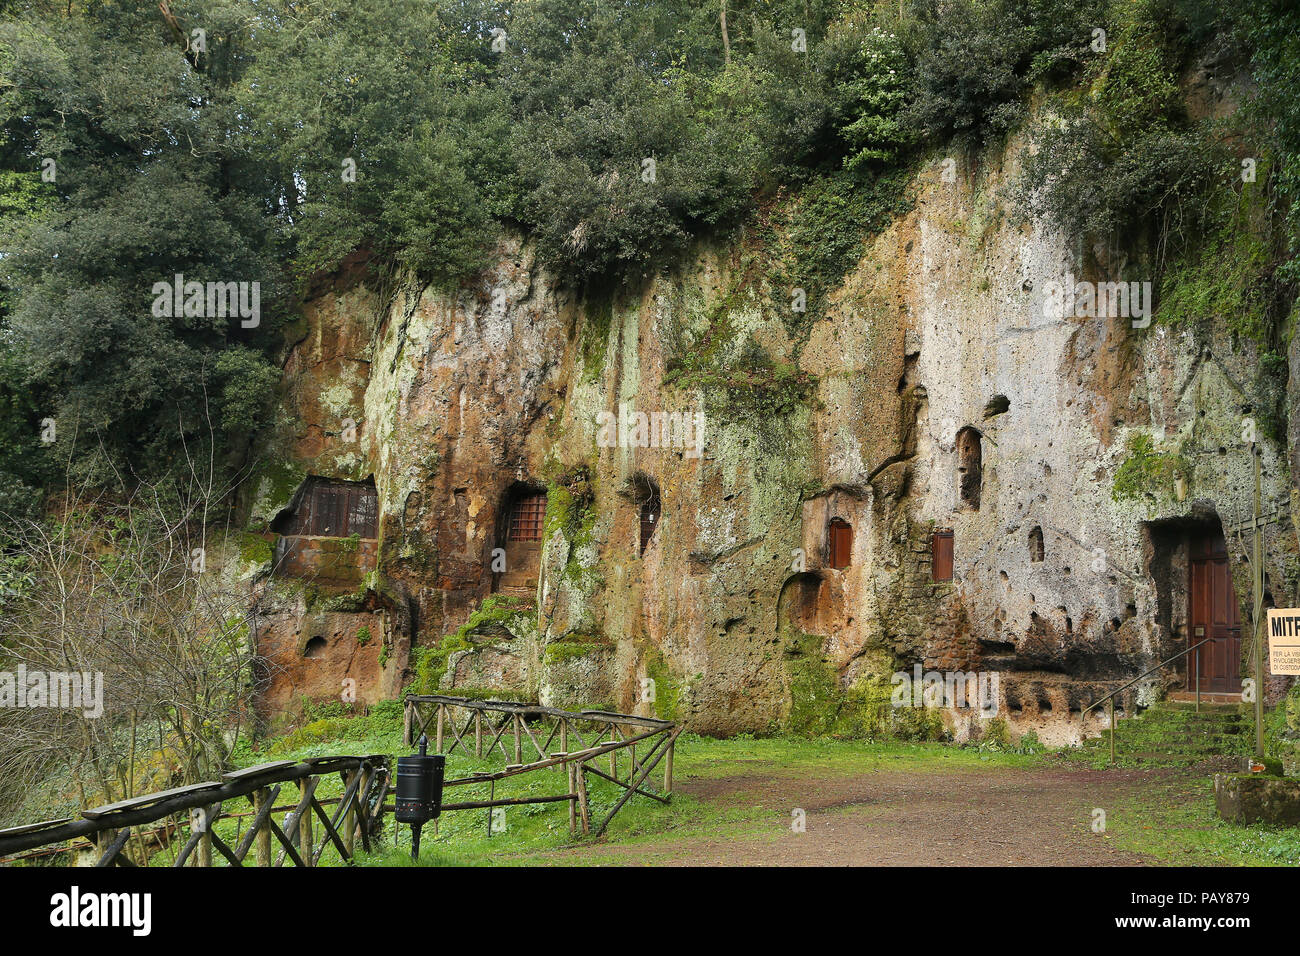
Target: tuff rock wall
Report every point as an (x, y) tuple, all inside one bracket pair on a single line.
[(451, 400)]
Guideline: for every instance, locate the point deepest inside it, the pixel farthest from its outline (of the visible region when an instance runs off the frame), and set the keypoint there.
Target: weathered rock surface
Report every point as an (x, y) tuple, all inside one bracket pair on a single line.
[(455, 402)]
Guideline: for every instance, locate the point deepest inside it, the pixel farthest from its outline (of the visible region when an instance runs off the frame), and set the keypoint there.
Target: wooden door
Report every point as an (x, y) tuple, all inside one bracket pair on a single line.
[(1214, 614), (941, 555), (841, 533)]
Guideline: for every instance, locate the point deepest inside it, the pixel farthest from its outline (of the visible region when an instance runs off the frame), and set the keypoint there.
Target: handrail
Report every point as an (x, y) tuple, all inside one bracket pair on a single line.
[(1152, 671), (1111, 696)]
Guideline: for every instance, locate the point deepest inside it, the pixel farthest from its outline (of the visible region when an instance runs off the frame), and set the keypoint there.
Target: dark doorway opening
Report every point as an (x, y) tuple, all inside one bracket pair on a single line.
[(330, 508), (970, 468), (519, 534), (1214, 614), (646, 494), (1188, 561)]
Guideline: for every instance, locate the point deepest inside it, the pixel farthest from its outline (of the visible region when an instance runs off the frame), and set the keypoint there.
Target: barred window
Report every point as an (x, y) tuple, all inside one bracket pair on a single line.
[(333, 509), (650, 511), (527, 518)]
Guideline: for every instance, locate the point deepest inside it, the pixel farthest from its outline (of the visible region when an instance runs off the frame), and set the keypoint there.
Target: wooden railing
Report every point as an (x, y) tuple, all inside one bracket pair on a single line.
[(481, 728), (633, 746), (358, 813)]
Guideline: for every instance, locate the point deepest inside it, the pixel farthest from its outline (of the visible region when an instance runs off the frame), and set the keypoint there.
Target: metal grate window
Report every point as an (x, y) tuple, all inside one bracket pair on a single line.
[(650, 510), (527, 517), (334, 509)]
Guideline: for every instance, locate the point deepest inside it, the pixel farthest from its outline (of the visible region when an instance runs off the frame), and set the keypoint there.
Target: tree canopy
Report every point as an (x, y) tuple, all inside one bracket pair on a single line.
[(262, 141)]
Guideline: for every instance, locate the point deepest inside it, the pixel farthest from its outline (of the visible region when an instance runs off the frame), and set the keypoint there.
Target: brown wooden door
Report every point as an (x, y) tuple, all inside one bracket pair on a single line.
[(1214, 614), (941, 555), (841, 543)]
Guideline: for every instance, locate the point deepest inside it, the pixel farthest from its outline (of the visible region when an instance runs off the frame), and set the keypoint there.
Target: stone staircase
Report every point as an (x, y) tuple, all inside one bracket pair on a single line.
[(1172, 734)]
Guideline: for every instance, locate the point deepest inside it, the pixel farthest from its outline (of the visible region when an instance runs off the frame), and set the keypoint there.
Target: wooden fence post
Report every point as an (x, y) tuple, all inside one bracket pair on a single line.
[(478, 732), (205, 842), (350, 818), (260, 799), (103, 840), (304, 830), (573, 789), (363, 794), (442, 711), (406, 723), (582, 796), (668, 769)]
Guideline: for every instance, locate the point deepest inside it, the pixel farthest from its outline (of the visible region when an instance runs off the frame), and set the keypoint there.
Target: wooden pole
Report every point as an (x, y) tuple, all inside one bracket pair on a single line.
[(104, 840), (573, 810), (1111, 704), (635, 780), (304, 828), (363, 792), (205, 841), (442, 713), (406, 723), (260, 800), (1258, 549), (350, 818), (518, 753), (478, 733), (668, 770), (582, 797)]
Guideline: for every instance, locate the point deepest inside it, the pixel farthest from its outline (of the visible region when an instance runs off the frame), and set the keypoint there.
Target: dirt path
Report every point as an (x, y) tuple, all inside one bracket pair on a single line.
[(989, 817)]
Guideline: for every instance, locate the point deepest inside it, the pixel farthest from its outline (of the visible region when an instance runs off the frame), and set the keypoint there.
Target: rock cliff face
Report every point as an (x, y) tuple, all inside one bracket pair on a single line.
[(1075, 460)]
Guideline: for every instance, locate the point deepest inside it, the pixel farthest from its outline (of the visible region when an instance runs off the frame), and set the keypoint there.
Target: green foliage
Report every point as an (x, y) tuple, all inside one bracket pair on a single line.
[(255, 549), (569, 649), (869, 93), (751, 386), (821, 235), (1269, 395), (369, 129), (975, 60), (247, 382), (1223, 278), (1120, 157), (1272, 33), (430, 663), (820, 707), (148, 185), (996, 739), (1147, 474), (617, 162), (235, 164)]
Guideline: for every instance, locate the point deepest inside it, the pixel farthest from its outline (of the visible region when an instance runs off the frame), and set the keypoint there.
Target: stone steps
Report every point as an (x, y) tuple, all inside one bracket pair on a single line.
[(1171, 735)]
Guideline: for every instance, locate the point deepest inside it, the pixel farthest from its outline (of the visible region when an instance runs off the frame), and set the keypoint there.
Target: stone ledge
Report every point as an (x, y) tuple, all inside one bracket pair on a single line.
[(1257, 798)]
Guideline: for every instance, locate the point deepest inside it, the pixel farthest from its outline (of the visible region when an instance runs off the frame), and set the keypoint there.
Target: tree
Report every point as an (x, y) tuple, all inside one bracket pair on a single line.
[(126, 587)]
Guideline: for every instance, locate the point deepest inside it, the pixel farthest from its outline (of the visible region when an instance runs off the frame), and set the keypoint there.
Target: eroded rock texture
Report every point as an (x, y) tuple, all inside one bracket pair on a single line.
[(934, 392)]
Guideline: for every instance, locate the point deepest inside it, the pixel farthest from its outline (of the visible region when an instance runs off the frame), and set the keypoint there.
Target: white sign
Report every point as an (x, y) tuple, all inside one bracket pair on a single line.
[(1283, 625)]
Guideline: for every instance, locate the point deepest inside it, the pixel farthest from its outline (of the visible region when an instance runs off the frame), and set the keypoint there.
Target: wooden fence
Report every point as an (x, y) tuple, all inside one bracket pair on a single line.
[(358, 814), (630, 747), (483, 727)]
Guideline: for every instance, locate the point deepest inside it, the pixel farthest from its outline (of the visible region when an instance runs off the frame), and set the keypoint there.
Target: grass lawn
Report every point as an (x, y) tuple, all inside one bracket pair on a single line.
[(1169, 819)]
